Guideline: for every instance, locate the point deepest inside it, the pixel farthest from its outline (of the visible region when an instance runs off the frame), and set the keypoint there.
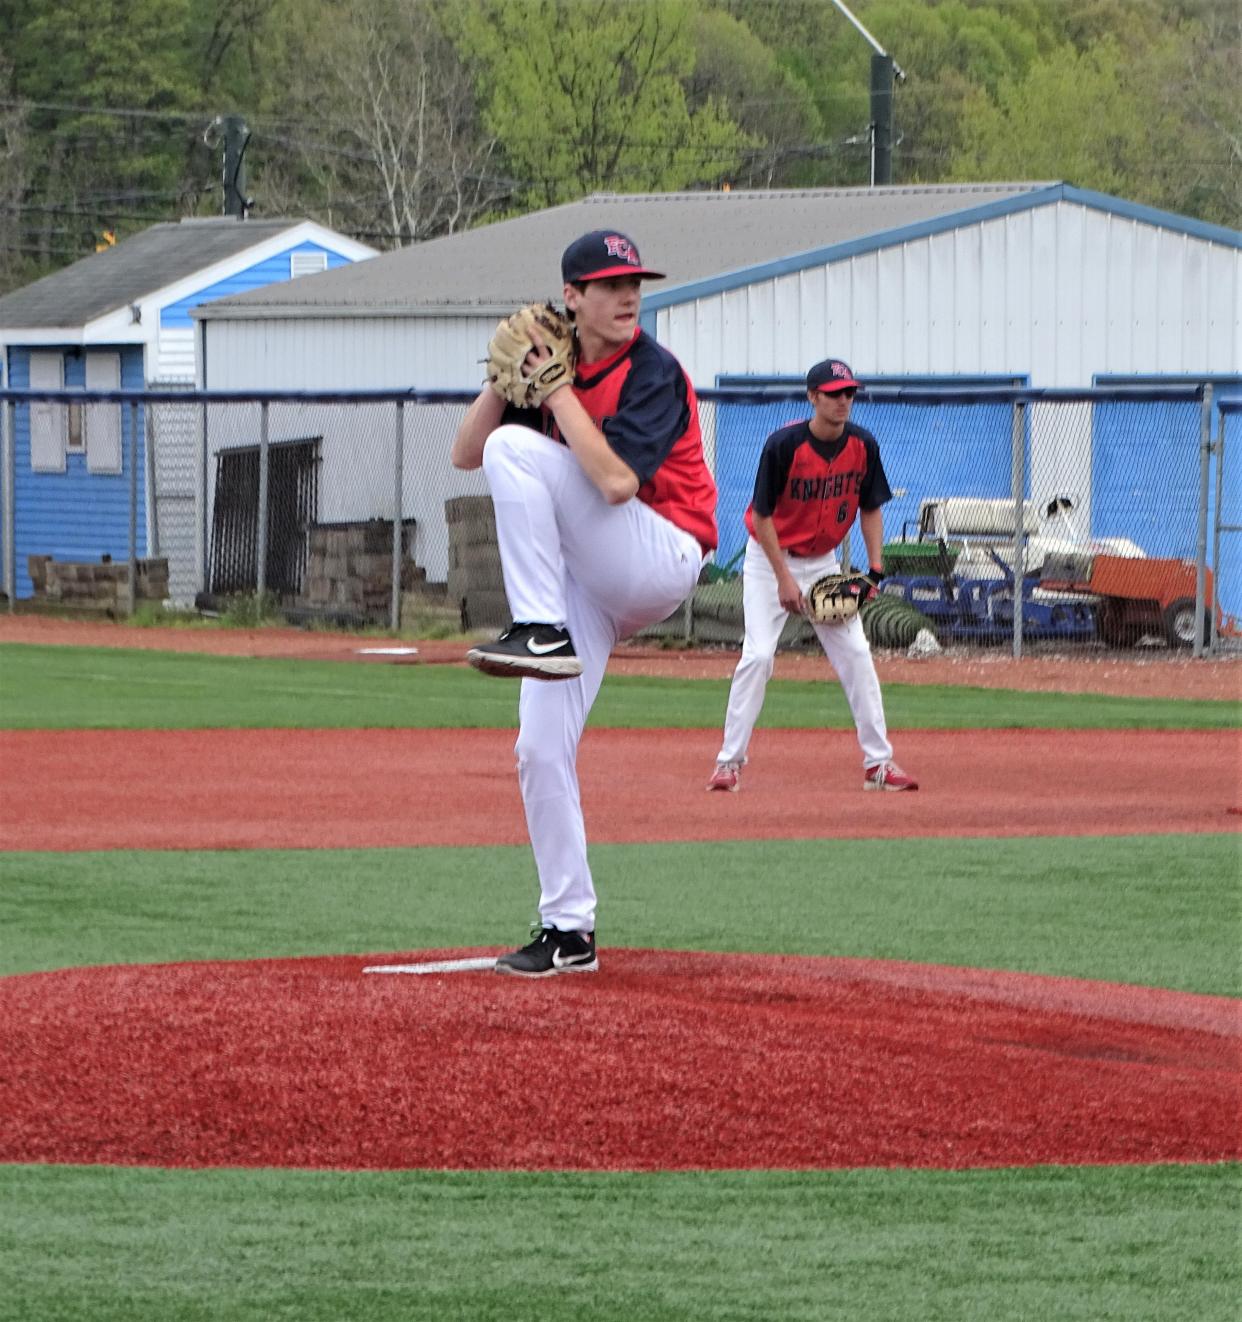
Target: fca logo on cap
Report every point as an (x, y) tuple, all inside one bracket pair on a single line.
[(618, 246), (840, 369)]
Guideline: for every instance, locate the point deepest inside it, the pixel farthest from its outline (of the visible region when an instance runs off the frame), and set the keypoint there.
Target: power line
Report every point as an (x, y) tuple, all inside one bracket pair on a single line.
[(819, 95), (121, 112), (94, 200)]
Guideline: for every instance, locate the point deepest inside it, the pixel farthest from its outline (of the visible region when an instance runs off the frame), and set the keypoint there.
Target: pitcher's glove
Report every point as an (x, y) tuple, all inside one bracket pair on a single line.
[(507, 371), (835, 598)]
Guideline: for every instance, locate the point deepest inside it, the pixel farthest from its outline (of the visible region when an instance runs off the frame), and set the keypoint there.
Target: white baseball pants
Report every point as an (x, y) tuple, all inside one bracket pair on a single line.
[(845, 646), (601, 571)]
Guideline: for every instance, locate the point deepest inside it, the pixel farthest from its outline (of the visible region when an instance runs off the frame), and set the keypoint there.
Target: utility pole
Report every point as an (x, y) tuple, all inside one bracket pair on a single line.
[(884, 69), (236, 136)]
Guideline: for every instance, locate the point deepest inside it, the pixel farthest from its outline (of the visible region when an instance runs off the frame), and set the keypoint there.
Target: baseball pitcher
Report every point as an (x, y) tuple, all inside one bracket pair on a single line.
[(605, 508)]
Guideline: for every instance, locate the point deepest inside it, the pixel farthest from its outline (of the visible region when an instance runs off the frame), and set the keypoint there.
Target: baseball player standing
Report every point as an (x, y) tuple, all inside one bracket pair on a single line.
[(605, 508), (814, 479)]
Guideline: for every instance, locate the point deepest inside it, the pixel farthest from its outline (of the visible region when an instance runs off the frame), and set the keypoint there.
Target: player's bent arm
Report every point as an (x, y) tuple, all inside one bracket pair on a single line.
[(482, 418), (616, 480), (871, 525), (787, 588)]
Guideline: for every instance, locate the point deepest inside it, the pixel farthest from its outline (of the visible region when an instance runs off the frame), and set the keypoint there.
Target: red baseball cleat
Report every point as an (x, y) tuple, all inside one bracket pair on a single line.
[(888, 776), (725, 776)]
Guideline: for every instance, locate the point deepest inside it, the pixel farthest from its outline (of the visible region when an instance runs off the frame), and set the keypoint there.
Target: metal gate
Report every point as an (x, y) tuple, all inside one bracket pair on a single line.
[(292, 509)]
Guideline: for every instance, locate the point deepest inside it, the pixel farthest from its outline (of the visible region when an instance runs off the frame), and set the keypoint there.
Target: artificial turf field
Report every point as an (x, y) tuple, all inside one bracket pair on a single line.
[(1087, 1242)]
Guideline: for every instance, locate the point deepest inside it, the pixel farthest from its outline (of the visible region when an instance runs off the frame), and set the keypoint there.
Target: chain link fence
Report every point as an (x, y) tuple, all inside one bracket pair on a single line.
[(1226, 519), (1093, 518)]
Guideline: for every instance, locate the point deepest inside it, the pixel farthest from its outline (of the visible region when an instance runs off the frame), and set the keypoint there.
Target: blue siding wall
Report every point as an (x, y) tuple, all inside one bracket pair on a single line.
[(1145, 475), (75, 515), (1229, 570), (1145, 485), (944, 450), (272, 271)]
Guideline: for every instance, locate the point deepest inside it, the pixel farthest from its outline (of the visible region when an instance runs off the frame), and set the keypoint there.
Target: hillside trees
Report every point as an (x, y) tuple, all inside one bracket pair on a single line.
[(397, 120), (951, 53), (589, 94), (1154, 117), (14, 169), (776, 109), (376, 129), (74, 62)]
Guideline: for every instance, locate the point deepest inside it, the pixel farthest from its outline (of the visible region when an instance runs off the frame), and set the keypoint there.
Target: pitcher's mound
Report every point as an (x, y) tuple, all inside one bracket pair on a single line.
[(661, 1060)]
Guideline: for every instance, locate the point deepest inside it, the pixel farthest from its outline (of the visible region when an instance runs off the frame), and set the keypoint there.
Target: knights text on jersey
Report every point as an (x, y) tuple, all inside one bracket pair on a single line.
[(642, 401), (812, 490)]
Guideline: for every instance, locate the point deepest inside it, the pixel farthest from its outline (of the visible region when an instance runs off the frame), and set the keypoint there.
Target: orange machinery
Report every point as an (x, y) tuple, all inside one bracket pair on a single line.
[(1137, 595)]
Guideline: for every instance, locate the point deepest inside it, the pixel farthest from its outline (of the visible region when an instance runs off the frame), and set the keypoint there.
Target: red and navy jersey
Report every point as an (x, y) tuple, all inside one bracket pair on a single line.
[(812, 490), (643, 402)]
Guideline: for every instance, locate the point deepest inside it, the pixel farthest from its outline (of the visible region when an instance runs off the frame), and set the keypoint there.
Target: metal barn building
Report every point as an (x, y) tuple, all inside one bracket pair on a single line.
[(1045, 283), (1037, 284)]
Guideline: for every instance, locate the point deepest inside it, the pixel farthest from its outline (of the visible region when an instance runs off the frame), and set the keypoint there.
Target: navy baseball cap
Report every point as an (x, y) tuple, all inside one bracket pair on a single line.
[(830, 376), (601, 254)]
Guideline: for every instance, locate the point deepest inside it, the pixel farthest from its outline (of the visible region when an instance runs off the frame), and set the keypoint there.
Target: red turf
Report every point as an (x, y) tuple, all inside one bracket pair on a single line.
[(663, 1060), (215, 789)]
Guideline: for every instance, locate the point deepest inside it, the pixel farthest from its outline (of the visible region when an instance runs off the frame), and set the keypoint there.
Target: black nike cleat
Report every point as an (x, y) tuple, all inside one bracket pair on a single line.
[(528, 651), (552, 952)]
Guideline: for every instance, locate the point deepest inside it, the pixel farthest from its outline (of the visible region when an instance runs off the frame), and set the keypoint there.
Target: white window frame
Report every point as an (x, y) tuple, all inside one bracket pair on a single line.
[(49, 423), (101, 426)]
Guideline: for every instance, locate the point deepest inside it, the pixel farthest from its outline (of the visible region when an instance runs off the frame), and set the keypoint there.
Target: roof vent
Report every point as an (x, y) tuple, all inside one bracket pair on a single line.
[(307, 263)]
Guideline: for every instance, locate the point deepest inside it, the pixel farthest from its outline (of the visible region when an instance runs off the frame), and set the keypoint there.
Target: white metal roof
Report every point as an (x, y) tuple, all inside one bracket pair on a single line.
[(156, 259), (691, 236)]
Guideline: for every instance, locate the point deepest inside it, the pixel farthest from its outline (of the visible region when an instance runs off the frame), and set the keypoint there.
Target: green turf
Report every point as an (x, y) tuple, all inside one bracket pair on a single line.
[(1076, 1245), (1156, 910), (102, 688), (124, 1245)]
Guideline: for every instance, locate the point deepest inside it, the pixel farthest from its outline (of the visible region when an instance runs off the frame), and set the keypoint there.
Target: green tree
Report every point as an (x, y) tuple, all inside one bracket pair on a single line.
[(106, 84), (1069, 118), (948, 51), (15, 261), (230, 46), (1085, 22), (734, 68), (376, 130), (1119, 122), (1195, 75), (589, 94)]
